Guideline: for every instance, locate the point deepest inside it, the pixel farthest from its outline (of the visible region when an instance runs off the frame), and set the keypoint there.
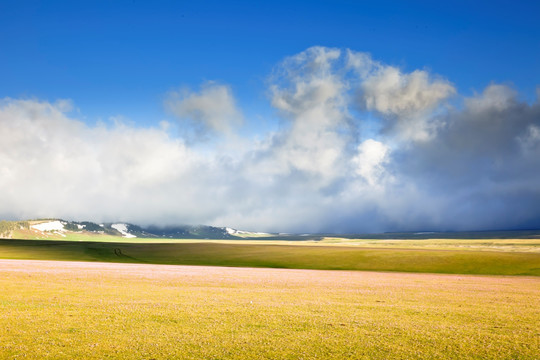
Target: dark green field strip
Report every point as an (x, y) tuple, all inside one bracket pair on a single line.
[(280, 256)]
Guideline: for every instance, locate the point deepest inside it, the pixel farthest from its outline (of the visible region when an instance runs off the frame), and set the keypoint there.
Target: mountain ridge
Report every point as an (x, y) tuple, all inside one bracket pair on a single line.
[(59, 229), (54, 228)]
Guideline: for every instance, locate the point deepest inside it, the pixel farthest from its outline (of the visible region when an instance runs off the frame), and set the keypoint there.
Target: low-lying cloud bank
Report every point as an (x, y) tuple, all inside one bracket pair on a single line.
[(367, 147)]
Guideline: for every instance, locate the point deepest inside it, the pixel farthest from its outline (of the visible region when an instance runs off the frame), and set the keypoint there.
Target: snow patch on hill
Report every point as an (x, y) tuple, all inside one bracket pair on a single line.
[(49, 226), (122, 229), (232, 231)]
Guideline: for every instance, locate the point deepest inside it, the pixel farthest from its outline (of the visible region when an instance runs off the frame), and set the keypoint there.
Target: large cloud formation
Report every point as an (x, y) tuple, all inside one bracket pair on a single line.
[(366, 147)]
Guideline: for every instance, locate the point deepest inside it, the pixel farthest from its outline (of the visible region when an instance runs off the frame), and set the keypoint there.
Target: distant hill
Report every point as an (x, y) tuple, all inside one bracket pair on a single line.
[(58, 229), (52, 229)]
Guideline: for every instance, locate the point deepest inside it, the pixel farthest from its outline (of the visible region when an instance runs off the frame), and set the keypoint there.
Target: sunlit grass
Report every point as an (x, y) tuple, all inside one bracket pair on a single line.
[(511, 245), (51, 310), (506, 245)]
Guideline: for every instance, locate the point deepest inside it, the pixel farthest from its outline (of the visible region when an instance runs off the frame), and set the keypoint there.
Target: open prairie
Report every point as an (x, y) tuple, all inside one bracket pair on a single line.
[(389, 256), (53, 309)]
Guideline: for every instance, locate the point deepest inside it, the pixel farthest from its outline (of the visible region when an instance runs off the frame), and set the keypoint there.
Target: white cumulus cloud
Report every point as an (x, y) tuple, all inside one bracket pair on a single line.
[(370, 161), (213, 108), (427, 165)]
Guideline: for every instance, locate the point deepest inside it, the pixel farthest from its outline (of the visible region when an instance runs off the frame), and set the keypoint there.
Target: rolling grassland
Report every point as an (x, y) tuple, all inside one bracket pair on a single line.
[(253, 254), (67, 310)]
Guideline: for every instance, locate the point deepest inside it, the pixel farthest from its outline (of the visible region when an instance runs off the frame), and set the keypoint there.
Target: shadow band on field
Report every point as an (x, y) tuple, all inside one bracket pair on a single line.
[(279, 256)]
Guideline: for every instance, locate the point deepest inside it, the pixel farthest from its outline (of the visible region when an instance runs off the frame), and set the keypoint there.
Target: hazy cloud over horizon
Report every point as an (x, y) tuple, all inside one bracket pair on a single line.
[(364, 147)]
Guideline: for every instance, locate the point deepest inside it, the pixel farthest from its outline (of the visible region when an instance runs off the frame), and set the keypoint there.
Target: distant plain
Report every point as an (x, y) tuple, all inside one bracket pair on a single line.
[(488, 257)]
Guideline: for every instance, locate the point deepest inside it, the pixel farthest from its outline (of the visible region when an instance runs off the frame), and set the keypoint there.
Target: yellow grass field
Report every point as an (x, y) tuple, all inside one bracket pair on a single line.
[(69, 310)]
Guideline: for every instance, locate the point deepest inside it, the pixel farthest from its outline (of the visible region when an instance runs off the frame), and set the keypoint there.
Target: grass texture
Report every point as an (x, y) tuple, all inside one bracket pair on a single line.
[(68, 310), (281, 256)]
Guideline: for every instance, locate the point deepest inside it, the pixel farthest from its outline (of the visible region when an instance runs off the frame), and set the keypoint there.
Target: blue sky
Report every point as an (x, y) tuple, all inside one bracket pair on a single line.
[(277, 116), (121, 57)]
